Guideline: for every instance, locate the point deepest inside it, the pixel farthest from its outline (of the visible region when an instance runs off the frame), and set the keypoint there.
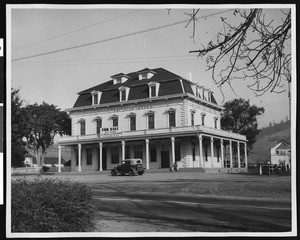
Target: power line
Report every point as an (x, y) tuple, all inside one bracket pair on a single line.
[(74, 31), (114, 38), (110, 60)]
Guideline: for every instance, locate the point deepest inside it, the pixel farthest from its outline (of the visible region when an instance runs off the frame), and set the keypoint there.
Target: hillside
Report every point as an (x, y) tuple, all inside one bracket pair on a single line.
[(267, 139)]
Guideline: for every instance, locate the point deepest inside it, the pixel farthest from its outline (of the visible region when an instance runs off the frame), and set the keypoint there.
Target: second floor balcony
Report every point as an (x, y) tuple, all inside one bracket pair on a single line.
[(115, 134)]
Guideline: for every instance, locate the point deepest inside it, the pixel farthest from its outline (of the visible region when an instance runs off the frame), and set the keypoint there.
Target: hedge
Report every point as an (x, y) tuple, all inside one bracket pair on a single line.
[(51, 205)]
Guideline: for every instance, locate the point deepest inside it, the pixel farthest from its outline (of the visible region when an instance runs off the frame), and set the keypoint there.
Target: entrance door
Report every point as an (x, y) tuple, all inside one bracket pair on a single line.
[(165, 159)]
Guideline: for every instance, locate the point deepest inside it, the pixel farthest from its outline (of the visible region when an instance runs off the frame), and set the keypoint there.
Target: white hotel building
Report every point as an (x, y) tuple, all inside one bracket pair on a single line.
[(155, 115)]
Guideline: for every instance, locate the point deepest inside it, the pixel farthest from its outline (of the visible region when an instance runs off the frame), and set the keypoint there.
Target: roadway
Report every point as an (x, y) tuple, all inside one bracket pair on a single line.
[(195, 213)]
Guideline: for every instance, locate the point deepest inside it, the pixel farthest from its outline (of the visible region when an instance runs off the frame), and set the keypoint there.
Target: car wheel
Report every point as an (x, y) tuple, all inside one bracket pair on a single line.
[(140, 173)]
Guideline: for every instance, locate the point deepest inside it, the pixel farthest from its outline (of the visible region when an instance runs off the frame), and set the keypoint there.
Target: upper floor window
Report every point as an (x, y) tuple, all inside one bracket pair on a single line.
[(124, 91), (172, 122), (115, 121), (96, 95), (123, 95), (98, 124), (203, 118), (151, 121), (119, 78), (153, 89), (95, 99), (132, 122), (145, 74), (192, 118), (216, 122), (82, 127)]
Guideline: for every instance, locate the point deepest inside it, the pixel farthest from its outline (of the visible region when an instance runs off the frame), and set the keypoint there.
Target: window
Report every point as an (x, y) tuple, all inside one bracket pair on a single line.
[(114, 155), (95, 96), (143, 76), (123, 95), (151, 121), (153, 153), (115, 122), (218, 153), (132, 123), (98, 125), (138, 151), (216, 123), (82, 128), (89, 157), (202, 118), (153, 91), (172, 119), (192, 118)]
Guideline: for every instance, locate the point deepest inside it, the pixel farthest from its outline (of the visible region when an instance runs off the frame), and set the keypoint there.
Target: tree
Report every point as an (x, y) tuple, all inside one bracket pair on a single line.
[(18, 146), (43, 123), (257, 49), (241, 117)]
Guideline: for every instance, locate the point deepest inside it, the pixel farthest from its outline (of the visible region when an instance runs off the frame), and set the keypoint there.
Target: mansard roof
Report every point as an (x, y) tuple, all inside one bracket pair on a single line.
[(169, 84)]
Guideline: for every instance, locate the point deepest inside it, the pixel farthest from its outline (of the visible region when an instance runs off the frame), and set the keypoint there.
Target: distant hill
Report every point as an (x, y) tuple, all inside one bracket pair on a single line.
[(267, 139)]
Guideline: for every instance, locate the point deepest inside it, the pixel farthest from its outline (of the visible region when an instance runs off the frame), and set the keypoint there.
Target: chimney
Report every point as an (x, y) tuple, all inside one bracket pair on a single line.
[(190, 76)]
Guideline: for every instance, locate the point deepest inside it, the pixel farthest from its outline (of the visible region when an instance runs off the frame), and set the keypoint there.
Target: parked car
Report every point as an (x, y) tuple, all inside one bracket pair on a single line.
[(129, 166)]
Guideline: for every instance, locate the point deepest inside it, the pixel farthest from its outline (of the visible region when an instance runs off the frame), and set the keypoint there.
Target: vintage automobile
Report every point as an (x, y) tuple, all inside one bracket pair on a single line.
[(131, 166)]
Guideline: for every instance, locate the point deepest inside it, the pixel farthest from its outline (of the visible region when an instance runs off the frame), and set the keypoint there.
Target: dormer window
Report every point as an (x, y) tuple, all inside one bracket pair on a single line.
[(123, 94), (145, 74), (96, 95), (153, 89), (119, 78)]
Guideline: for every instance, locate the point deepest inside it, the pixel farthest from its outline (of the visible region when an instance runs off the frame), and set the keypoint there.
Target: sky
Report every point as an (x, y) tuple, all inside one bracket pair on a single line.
[(58, 51)]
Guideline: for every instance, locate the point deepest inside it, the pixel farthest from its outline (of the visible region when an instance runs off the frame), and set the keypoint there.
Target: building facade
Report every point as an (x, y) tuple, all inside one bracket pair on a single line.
[(281, 154), (154, 115)]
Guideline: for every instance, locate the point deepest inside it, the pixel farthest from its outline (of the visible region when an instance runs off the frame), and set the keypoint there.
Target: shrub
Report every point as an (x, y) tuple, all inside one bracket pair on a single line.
[(47, 205), (45, 168)]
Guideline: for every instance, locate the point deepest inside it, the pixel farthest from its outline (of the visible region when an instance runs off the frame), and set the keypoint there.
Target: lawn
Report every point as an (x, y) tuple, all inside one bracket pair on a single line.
[(212, 184), (233, 185)]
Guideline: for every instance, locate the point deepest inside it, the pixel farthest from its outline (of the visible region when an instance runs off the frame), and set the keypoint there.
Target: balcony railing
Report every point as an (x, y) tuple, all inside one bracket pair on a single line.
[(154, 132)]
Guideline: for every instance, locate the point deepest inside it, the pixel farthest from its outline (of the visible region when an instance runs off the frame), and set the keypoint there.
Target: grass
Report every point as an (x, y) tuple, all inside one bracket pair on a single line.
[(232, 185)]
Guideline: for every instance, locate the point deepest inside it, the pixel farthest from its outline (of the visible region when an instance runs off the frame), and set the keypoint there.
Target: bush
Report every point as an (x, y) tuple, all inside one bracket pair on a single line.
[(47, 205), (45, 169)]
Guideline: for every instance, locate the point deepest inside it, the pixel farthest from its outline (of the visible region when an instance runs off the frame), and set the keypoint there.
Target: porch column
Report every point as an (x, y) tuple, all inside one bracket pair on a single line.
[(230, 152), (245, 147), (212, 151), (200, 151), (59, 158), (222, 152), (123, 150), (239, 155), (147, 153), (100, 156), (173, 149), (79, 157)]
